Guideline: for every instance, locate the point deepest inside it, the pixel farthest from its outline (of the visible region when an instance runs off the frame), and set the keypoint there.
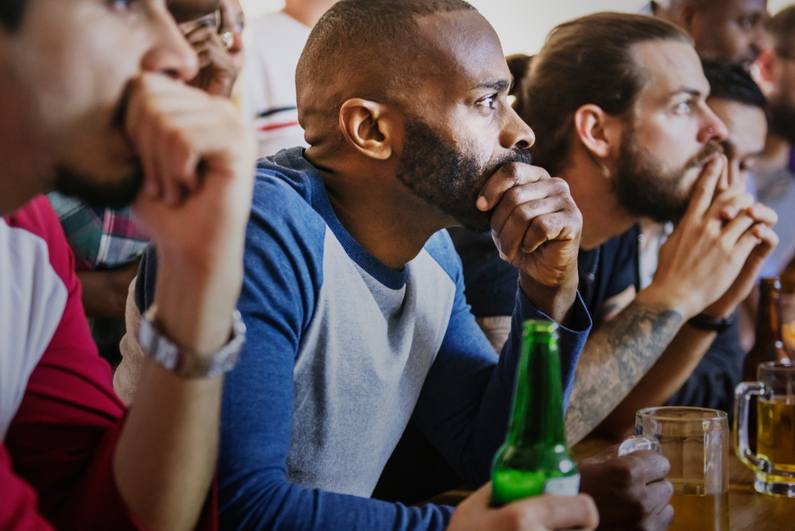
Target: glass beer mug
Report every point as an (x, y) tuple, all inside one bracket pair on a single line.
[(774, 461), (696, 443)]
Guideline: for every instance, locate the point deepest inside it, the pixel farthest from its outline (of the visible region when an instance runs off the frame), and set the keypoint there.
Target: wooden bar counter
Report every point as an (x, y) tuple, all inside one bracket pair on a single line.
[(748, 510)]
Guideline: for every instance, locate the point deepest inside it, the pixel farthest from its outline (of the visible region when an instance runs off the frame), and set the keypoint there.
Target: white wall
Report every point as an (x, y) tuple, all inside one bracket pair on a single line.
[(521, 24)]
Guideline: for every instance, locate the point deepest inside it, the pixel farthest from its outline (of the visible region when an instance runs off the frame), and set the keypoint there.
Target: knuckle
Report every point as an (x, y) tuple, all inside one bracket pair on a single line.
[(511, 170)]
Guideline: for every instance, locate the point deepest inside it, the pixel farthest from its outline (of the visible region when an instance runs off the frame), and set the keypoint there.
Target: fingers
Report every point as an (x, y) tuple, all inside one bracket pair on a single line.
[(648, 466), (174, 130), (763, 214), (704, 190), (506, 177), (549, 512), (531, 214), (730, 203)]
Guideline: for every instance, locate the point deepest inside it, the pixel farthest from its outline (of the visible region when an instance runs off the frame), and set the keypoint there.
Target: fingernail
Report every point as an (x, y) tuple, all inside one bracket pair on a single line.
[(730, 211), (482, 204)]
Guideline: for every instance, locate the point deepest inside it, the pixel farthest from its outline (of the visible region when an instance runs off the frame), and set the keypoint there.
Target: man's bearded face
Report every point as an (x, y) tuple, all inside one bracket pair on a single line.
[(448, 178)]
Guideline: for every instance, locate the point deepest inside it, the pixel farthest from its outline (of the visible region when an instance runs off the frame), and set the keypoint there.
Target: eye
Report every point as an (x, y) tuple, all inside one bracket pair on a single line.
[(121, 5), (490, 102), (683, 108), (748, 22)]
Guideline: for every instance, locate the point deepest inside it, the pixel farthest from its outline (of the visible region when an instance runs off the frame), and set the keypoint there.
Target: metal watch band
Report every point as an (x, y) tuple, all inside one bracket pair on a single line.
[(186, 363), (711, 324)]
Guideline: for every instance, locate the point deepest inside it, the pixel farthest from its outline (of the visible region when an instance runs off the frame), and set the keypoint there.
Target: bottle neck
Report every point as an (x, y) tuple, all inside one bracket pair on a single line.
[(768, 324), (537, 412)]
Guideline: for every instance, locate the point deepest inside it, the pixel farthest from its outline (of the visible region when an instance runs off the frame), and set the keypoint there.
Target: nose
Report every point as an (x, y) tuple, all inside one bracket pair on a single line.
[(170, 53), (516, 133), (712, 128)]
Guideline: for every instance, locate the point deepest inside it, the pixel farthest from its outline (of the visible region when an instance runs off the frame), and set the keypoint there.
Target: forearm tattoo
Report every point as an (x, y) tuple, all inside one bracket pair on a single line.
[(614, 359)]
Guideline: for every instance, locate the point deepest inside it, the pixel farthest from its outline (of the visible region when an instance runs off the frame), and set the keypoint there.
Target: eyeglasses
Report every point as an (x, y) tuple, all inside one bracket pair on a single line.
[(212, 21)]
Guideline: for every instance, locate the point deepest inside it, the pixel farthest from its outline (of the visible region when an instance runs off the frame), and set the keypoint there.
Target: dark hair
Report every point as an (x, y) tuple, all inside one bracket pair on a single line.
[(11, 13), (781, 29), (732, 82), (586, 60)]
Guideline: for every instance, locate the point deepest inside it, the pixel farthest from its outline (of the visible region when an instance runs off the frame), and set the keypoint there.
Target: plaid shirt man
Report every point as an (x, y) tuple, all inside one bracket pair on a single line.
[(99, 237)]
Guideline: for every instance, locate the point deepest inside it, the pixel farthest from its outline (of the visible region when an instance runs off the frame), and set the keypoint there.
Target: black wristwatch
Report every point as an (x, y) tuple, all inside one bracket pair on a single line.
[(711, 324)]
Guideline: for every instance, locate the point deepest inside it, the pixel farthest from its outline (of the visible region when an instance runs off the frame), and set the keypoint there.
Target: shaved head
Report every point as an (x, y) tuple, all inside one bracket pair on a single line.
[(370, 49)]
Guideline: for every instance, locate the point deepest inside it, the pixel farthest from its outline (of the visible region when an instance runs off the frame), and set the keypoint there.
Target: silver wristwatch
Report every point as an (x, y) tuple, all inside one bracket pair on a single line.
[(186, 363)]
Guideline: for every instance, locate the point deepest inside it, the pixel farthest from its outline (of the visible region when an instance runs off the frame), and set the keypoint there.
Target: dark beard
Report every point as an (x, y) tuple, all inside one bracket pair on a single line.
[(446, 178), (781, 120), (114, 195), (645, 189)]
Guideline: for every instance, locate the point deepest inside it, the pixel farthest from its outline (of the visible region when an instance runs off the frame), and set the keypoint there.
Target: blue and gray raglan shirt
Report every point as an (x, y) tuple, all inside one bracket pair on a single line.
[(342, 353)]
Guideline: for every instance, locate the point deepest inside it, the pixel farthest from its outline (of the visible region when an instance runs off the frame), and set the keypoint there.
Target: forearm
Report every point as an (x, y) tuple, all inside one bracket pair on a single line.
[(166, 454), (167, 451), (660, 383), (614, 360)]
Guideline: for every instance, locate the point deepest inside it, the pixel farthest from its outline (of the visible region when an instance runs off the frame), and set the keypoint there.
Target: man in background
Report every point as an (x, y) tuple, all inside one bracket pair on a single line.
[(269, 91), (627, 157), (91, 94), (729, 30), (774, 173), (107, 242)]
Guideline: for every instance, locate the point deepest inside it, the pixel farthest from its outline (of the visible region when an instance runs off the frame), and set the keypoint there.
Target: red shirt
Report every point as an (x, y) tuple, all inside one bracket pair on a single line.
[(62, 438)]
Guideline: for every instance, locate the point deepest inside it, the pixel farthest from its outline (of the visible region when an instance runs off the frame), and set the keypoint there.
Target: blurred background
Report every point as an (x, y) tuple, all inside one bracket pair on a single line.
[(521, 24)]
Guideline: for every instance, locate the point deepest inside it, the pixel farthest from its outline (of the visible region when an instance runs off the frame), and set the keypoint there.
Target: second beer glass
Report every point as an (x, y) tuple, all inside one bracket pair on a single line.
[(696, 443)]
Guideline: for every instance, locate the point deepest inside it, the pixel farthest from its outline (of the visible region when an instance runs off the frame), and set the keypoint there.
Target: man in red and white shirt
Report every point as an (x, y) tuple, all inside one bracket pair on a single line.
[(93, 103)]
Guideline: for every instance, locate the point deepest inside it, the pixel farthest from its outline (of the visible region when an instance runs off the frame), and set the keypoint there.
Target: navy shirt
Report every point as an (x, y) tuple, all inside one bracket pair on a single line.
[(608, 274)]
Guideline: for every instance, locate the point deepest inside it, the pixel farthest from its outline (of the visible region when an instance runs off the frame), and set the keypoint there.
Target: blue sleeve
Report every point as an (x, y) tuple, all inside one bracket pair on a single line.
[(283, 274), (465, 402), (712, 383)]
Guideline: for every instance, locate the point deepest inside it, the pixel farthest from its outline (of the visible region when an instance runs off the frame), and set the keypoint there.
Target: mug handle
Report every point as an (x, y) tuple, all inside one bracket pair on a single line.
[(637, 443), (742, 398)]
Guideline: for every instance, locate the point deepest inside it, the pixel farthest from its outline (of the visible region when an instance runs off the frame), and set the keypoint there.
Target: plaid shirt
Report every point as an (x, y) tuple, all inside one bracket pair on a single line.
[(100, 238)]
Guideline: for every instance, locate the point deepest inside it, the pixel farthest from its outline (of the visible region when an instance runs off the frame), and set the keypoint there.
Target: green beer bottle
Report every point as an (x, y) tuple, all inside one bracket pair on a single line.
[(534, 459)]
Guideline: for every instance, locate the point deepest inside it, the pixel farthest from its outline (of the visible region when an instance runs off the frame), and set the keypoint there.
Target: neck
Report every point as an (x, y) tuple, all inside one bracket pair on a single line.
[(776, 154), (602, 217), (382, 216), (307, 12)]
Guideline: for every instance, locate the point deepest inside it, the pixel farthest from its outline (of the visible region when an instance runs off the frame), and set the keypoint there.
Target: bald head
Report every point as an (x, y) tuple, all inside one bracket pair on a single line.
[(728, 30), (370, 49)]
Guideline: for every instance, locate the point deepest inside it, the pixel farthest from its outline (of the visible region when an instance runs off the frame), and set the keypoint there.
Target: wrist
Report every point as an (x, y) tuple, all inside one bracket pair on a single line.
[(655, 297), (194, 307), (555, 301)]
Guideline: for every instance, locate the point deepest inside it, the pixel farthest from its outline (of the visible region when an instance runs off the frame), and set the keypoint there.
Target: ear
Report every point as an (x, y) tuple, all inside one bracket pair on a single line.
[(368, 126), (594, 130), (763, 70), (685, 16)]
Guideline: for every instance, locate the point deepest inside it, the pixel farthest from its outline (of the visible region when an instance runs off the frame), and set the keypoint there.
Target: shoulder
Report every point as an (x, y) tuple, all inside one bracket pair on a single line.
[(40, 223), (286, 193), (442, 250)]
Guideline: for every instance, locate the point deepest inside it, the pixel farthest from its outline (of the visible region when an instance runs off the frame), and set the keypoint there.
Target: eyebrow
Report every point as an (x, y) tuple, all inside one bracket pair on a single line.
[(497, 85), (686, 90)]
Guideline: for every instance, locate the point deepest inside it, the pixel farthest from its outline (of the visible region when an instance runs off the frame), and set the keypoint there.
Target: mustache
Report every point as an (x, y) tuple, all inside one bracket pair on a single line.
[(703, 155)]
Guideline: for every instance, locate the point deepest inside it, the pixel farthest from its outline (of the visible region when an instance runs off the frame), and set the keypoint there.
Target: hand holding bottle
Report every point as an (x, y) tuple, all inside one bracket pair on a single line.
[(543, 513)]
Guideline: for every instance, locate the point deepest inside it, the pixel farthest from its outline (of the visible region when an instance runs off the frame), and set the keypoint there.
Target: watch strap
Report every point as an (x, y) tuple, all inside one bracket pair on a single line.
[(184, 362), (711, 324)]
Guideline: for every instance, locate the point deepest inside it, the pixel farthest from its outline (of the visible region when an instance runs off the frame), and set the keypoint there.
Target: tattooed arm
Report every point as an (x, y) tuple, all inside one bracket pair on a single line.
[(614, 360)]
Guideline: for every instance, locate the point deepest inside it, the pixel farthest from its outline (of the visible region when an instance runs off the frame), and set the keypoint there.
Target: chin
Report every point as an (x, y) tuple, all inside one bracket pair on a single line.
[(118, 193)]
